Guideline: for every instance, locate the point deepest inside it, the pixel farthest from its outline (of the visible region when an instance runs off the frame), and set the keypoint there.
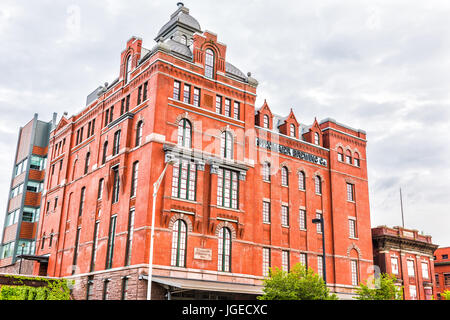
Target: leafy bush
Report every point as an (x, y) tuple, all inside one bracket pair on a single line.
[(55, 290)]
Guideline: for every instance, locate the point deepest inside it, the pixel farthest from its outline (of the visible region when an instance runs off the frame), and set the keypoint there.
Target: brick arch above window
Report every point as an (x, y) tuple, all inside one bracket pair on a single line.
[(181, 216), (226, 224), (353, 248)]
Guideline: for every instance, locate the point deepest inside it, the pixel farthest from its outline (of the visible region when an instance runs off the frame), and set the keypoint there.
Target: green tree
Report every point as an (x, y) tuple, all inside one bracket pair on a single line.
[(298, 284), (383, 288), (446, 294)]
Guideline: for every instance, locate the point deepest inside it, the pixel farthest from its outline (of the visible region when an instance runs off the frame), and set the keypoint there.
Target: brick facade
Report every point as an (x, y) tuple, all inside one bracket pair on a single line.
[(442, 270)]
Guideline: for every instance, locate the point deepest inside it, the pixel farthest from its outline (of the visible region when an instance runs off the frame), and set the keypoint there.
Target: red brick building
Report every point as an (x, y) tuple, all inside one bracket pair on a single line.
[(409, 256), (442, 270), (239, 198)]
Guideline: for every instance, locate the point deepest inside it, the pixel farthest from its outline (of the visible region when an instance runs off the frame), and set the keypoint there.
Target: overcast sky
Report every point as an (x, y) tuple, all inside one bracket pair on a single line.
[(381, 66)]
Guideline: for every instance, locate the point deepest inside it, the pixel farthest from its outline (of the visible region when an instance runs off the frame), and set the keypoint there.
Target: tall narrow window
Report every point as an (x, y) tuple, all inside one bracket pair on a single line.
[(352, 228), (176, 90), (237, 110), (129, 237), (394, 265), (75, 250), (94, 245), (100, 189), (187, 94), (86, 163), (184, 133), (179, 238), (266, 171), (128, 70), (320, 266), (124, 294), (302, 219), (266, 121), (410, 265), (224, 252), (425, 273), (340, 154), (292, 130), (350, 192), (219, 104), (197, 97), (285, 265), (356, 160), (318, 225), (139, 133), (145, 93), (111, 115), (105, 289), (285, 216), (354, 272), (116, 142), (301, 180), (139, 97), (82, 196), (209, 63), (266, 212), (134, 179), (116, 185), (228, 107), (266, 262), (304, 259), (348, 157), (284, 176), (105, 151), (316, 139), (184, 180), (227, 189), (111, 240), (106, 120), (226, 145), (413, 292), (318, 185)]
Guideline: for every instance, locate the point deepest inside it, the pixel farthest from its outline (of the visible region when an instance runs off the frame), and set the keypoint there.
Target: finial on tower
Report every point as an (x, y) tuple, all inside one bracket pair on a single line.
[(180, 4)]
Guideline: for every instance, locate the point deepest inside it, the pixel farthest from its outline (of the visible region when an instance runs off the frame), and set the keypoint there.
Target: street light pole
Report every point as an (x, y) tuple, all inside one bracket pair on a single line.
[(324, 264), (156, 186)]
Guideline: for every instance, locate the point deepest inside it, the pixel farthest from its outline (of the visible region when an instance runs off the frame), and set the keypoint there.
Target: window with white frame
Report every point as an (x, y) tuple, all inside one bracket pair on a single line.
[(228, 189), (354, 272), (302, 219), (410, 265), (184, 180), (318, 185), (266, 262), (301, 180), (209, 63), (285, 216), (318, 225), (224, 250), (316, 139), (320, 266), (425, 273), (413, 292), (394, 265), (187, 94), (266, 171), (284, 176), (304, 259), (226, 145), (352, 228), (266, 212), (285, 261), (228, 107), (350, 192), (266, 121), (179, 239), (237, 110), (185, 133), (292, 130)]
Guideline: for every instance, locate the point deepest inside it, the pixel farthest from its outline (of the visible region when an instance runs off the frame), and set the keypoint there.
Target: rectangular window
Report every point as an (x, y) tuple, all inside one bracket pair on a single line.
[(425, 273), (129, 237), (134, 178), (266, 261), (413, 292), (197, 97), (227, 189), (266, 212), (145, 93), (394, 265), (106, 289), (82, 196), (237, 110), (304, 259), (127, 103), (111, 113), (184, 180), (100, 189), (37, 163), (106, 118), (410, 265), (354, 271), (176, 90), (111, 240), (436, 277), (352, 228), (187, 94), (116, 145), (285, 261), (219, 104), (116, 185), (124, 288), (285, 216), (139, 97), (320, 266), (319, 225), (90, 288), (34, 186), (122, 106), (302, 219), (94, 245), (75, 250), (228, 107), (350, 192)]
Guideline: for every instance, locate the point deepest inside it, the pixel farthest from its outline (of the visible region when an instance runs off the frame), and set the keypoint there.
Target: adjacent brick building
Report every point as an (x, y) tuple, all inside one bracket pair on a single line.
[(239, 198), (24, 197), (409, 256), (442, 270)]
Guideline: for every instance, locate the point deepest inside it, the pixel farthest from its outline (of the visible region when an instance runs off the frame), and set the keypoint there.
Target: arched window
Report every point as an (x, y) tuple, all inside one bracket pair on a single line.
[(128, 69), (266, 121), (209, 63), (105, 151), (356, 160), (184, 133), (318, 185), (139, 133), (340, 154), (226, 145), (348, 157), (183, 40), (284, 176), (86, 163), (266, 171), (179, 239), (292, 130), (316, 139), (224, 252), (301, 180)]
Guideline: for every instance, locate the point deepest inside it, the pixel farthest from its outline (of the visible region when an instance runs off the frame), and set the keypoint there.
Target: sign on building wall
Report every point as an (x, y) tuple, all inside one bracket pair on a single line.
[(202, 254)]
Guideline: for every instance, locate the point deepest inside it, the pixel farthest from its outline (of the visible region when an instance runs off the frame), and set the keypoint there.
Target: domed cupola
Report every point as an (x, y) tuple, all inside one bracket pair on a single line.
[(180, 28)]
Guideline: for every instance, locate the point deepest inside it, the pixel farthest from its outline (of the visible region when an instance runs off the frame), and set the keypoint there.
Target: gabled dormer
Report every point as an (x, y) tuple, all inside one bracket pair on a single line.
[(314, 135), (209, 53), (290, 126), (130, 58), (264, 117)]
